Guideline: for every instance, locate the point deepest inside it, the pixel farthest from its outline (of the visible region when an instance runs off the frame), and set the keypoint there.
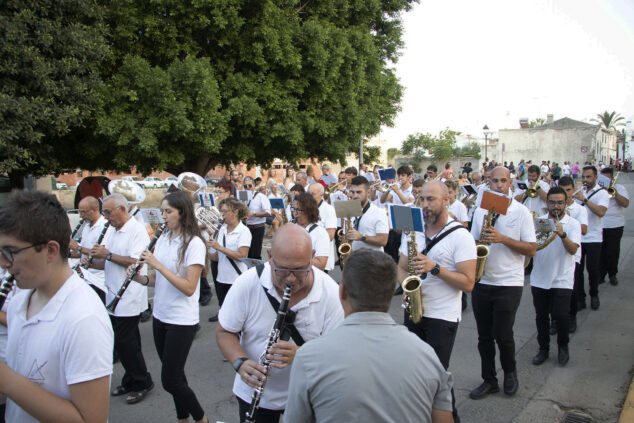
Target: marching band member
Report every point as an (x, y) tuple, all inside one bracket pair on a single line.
[(327, 177), (306, 215), (327, 220), (535, 205), (596, 201), (370, 230), (328, 372), (276, 219), (231, 244), (89, 211), (124, 247), (294, 191), (496, 297), (450, 270), (259, 208), (402, 195), (178, 258), (248, 313), (457, 209), (339, 195), (59, 347), (613, 223), (432, 172), (552, 278), (3, 336)]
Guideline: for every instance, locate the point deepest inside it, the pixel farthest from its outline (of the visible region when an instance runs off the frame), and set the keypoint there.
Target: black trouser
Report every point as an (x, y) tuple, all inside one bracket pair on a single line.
[(172, 345), (610, 251), (573, 296), (127, 342), (440, 335), (262, 415), (221, 291), (494, 309), (555, 301), (205, 288), (393, 244), (591, 260), (257, 235), (102, 294)]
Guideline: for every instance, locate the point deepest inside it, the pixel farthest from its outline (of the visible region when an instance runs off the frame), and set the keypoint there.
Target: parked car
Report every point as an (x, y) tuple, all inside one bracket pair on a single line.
[(152, 182), (60, 185), (136, 179), (170, 180), (212, 181)]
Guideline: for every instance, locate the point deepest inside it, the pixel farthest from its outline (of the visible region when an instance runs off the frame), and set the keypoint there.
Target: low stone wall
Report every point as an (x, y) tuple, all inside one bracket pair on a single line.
[(152, 200)]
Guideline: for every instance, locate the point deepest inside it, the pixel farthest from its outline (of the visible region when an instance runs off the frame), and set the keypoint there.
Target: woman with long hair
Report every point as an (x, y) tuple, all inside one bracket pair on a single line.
[(178, 258), (289, 179), (306, 214)]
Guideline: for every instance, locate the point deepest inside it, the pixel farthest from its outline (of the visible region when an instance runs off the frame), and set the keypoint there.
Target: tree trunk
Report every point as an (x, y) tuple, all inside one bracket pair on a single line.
[(200, 166), (17, 180)]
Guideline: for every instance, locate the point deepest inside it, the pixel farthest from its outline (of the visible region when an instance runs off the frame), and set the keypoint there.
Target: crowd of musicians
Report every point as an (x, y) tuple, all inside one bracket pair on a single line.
[(334, 353)]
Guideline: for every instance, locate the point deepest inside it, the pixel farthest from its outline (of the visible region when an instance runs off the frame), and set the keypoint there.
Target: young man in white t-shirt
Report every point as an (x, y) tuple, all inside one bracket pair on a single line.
[(399, 194), (59, 349), (457, 209), (497, 295), (370, 230), (613, 224), (449, 268)]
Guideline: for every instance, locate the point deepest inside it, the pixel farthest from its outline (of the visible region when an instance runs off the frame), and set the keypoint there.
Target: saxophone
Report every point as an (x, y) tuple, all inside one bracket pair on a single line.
[(482, 249), (412, 300), (346, 246)]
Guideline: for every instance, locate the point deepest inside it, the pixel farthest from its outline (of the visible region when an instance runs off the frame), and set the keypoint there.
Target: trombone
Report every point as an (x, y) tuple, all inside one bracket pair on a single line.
[(531, 192), (612, 189), (333, 187)]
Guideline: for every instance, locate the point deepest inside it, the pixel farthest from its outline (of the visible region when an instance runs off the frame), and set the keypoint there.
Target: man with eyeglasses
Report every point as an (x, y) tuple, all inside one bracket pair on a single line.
[(59, 348), (553, 277), (259, 209), (89, 211), (249, 311)]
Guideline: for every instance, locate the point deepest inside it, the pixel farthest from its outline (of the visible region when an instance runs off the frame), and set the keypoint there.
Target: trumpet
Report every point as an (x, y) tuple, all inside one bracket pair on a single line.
[(333, 187), (346, 246), (612, 189), (482, 249), (412, 300), (209, 217), (531, 192)]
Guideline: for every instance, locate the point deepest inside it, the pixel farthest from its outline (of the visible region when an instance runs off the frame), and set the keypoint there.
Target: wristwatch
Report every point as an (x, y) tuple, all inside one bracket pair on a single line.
[(585, 200), (109, 257), (363, 238), (236, 364), (564, 235), (436, 270), (79, 249)]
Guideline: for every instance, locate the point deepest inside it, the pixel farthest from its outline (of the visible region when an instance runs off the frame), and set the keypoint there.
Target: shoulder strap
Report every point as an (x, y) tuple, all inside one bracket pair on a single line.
[(592, 195), (233, 263), (289, 327), (440, 237), (312, 227)]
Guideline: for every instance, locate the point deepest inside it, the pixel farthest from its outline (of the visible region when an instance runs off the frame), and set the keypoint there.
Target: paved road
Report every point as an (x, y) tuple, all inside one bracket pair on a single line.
[(595, 381)]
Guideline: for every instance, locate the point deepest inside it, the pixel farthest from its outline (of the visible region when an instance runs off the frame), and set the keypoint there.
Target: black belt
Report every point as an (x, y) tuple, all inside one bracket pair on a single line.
[(260, 225)]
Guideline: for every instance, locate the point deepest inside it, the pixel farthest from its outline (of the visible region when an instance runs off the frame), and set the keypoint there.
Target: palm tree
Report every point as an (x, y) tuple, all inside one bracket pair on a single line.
[(609, 121)]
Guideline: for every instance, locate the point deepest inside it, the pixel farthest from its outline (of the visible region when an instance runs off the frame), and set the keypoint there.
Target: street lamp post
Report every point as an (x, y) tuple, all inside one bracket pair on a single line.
[(486, 141)]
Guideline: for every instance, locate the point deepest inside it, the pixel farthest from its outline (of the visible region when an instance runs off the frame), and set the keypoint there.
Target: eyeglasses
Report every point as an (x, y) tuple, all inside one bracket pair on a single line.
[(248, 186), (7, 255), (106, 212), (297, 210), (282, 273)]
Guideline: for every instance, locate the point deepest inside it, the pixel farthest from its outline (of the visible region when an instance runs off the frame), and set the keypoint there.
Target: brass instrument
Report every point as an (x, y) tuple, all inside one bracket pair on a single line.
[(346, 246), (191, 183), (612, 189), (333, 187), (544, 238), (384, 185), (132, 191), (531, 192), (412, 300), (209, 217), (482, 249)]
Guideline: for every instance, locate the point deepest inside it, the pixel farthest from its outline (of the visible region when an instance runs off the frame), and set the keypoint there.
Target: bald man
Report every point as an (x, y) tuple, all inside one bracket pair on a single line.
[(447, 258), (496, 297), (93, 226), (249, 311)]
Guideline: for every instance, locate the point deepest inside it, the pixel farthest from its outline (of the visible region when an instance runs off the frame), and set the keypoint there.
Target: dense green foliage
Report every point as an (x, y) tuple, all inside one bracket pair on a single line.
[(440, 147)]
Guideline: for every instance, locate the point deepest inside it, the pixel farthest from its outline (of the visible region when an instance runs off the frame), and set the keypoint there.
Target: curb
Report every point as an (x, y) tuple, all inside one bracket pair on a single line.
[(627, 414)]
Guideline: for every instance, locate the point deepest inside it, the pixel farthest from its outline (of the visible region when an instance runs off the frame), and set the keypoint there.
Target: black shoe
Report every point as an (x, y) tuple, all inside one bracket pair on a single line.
[(573, 324), (145, 316), (204, 300), (483, 390), (613, 280), (595, 303), (213, 318), (511, 384), (563, 356), (553, 327), (602, 280), (581, 305), (541, 356)]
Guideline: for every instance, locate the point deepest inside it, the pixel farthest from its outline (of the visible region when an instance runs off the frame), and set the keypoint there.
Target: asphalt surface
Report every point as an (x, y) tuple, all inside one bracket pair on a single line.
[(594, 383)]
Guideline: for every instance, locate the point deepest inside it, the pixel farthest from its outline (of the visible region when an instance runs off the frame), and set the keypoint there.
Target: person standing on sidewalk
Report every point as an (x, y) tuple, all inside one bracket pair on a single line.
[(553, 277), (259, 209), (613, 223)]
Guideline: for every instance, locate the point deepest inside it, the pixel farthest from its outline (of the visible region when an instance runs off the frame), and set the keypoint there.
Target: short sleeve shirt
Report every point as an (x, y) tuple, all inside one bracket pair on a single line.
[(614, 217), (535, 205), (69, 341), (372, 223), (259, 203), (319, 239), (595, 223), (328, 220), (505, 267), (239, 237), (171, 305), (580, 214), (89, 237), (459, 210)]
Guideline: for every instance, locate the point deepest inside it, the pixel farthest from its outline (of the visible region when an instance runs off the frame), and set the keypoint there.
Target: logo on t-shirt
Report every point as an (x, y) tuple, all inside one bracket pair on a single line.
[(35, 373)]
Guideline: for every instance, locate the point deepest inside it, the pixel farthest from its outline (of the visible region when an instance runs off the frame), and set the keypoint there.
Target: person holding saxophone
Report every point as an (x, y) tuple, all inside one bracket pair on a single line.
[(446, 262)]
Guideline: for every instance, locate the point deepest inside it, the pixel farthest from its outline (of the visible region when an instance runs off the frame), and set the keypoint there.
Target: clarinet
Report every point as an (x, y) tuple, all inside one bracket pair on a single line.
[(115, 301), (220, 223), (77, 267), (274, 336), (74, 233), (5, 289)]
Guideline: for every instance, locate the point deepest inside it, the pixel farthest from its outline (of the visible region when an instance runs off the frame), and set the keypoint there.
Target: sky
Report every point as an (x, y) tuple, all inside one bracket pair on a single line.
[(468, 63)]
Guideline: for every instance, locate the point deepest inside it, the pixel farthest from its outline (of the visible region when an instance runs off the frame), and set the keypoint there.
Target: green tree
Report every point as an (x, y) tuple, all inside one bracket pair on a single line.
[(391, 152), (470, 150), (441, 147), (49, 80), (609, 121), (537, 122), (371, 153), (277, 80)]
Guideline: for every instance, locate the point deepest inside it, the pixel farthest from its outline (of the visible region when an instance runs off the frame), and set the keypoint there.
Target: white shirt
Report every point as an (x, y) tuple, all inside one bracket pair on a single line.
[(328, 220), (536, 205), (171, 305), (68, 342), (505, 267), (89, 237), (441, 300), (259, 203), (247, 310), (329, 179), (459, 210), (338, 196), (319, 239), (373, 222), (580, 214), (595, 223), (544, 168), (566, 170), (553, 267), (396, 200), (239, 237), (129, 241), (614, 217)]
